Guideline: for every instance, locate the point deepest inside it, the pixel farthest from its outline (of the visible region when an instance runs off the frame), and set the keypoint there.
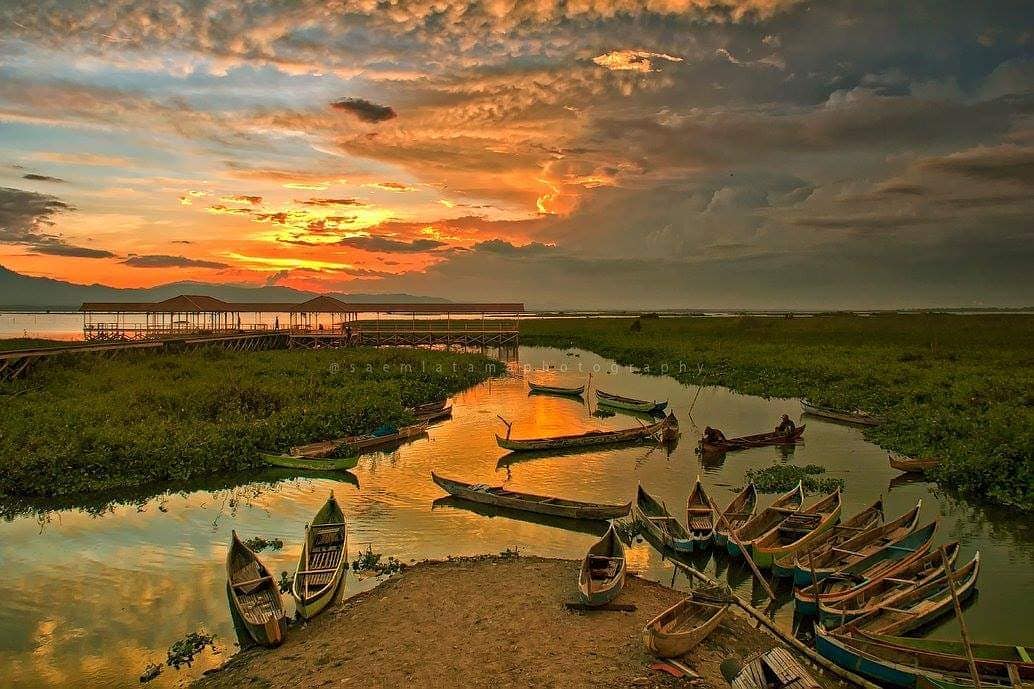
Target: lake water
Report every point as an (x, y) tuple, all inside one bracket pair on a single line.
[(90, 599)]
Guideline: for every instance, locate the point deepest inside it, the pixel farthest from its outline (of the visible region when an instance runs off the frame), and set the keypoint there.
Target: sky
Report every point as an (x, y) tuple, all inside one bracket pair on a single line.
[(583, 153)]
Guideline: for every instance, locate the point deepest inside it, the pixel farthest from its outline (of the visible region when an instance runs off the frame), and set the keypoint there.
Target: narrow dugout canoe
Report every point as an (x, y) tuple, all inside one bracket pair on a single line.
[(556, 389), (841, 556), (310, 464), (757, 440), (796, 531), (323, 561), (739, 511), (909, 465), (656, 522), (774, 669), (906, 550), (919, 606), (868, 518), (629, 403), (431, 415), (358, 443), (869, 596), (254, 594), (769, 518), (678, 630), (861, 418), (603, 570), (700, 516), (542, 504), (587, 439)]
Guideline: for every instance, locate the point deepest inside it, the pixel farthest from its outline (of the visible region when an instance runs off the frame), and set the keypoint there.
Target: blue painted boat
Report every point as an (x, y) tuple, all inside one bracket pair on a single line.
[(832, 588)]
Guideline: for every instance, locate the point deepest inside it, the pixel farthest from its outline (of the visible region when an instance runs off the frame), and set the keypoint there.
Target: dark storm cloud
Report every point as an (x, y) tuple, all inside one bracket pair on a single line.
[(389, 245), (165, 261), (364, 109), (1005, 163), (25, 217), (333, 202), (42, 178)]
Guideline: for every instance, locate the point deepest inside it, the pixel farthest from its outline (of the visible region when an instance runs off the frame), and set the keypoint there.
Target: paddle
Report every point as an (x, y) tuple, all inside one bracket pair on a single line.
[(958, 613)]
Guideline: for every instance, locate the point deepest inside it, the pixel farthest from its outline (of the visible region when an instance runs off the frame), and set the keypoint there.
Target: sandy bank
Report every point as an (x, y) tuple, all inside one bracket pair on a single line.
[(484, 622)]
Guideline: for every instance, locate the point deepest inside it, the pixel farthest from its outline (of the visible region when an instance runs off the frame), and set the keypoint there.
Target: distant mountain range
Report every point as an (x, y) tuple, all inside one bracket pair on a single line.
[(26, 293)]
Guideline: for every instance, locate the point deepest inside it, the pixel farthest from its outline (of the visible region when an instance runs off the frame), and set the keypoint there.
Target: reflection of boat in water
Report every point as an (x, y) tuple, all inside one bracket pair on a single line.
[(592, 528), (275, 475), (902, 480)]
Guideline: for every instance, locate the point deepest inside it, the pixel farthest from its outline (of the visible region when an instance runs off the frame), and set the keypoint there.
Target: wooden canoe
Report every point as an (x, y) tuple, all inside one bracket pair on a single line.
[(254, 594), (768, 519), (797, 531), (556, 389), (323, 561), (909, 465), (431, 415), (358, 443), (678, 630), (919, 606), (866, 597), (868, 518), (861, 418), (592, 438), (906, 550), (844, 555), (739, 511), (757, 440), (657, 523), (310, 464), (908, 663), (630, 403), (603, 570), (700, 516), (427, 407), (543, 504), (774, 669)]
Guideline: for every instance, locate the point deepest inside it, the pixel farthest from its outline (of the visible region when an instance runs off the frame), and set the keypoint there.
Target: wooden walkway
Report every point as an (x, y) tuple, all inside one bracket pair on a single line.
[(16, 363)]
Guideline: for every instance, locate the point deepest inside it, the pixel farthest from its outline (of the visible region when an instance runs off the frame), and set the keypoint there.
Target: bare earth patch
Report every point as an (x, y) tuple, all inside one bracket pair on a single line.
[(483, 622)]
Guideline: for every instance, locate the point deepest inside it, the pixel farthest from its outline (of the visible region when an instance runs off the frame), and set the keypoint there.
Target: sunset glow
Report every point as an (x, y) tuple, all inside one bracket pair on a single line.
[(680, 153)]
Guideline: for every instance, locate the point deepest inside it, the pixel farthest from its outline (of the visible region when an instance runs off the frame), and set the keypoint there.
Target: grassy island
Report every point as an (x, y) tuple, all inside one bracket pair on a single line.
[(88, 423), (956, 387)]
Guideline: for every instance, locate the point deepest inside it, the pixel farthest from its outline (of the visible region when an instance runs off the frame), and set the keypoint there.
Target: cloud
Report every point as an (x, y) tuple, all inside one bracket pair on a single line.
[(242, 198), (392, 186), (165, 261), (632, 60), (332, 202), (390, 245), (365, 110), (42, 178), (26, 218), (1007, 163)]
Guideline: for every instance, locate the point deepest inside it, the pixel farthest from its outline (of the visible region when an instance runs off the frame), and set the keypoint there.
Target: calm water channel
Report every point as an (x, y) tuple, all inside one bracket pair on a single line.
[(90, 600)]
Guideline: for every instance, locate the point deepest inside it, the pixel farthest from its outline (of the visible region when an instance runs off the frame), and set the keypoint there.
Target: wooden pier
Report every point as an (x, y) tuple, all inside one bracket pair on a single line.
[(188, 322)]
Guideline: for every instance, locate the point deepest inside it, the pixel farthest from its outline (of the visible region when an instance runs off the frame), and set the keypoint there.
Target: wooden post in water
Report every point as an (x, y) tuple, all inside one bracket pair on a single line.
[(958, 613), (746, 555)]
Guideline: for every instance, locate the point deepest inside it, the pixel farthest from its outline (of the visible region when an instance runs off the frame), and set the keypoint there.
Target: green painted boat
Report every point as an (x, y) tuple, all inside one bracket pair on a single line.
[(310, 463), (767, 519), (796, 531), (323, 561)]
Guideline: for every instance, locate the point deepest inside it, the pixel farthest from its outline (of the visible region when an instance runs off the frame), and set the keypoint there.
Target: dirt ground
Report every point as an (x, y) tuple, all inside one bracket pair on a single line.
[(483, 622)]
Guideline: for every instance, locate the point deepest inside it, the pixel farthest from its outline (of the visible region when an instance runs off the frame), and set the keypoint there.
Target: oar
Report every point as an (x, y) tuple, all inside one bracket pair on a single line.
[(958, 613), (746, 555)]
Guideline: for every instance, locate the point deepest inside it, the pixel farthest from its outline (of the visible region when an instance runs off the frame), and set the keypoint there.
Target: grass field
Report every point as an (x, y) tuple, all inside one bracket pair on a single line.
[(87, 423), (957, 387)]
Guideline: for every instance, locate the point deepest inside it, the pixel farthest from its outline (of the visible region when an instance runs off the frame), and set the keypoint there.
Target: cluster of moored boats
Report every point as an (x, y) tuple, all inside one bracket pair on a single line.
[(866, 581), (255, 594)]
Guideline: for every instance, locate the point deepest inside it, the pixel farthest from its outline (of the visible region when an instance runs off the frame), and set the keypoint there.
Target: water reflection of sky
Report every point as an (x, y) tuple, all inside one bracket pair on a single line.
[(94, 599)]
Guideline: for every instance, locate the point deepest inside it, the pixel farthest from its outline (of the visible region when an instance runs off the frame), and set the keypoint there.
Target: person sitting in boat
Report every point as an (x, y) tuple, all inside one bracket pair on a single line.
[(786, 426), (713, 435)]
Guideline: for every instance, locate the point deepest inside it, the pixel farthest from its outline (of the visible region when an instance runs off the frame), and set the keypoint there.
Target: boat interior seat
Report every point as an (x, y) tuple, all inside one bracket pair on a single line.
[(328, 536), (251, 577), (601, 567)]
